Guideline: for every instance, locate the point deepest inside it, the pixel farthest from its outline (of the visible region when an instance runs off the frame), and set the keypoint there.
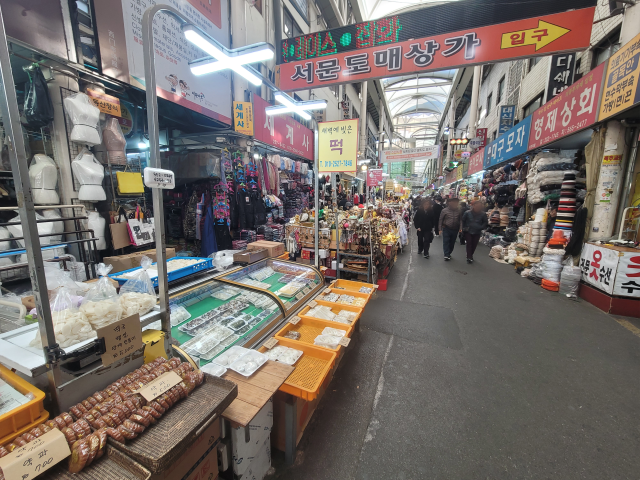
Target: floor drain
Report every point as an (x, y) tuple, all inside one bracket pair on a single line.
[(460, 271)]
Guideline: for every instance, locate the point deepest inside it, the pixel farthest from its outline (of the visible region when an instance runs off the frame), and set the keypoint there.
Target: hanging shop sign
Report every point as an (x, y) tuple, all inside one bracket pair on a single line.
[(119, 29), (450, 177), (573, 110), (125, 120), (514, 142), (561, 73), (507, 117), (475, 162), (410, 154), (105, 103), (281, 131), (374, 177), (481, 133), (243, 118), (599, 266), (621, 82), (627, 283), (418, 42), (338, 146), (459, 170)]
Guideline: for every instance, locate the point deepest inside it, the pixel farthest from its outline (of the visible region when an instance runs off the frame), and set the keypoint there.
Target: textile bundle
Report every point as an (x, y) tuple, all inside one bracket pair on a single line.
[(567, 204)]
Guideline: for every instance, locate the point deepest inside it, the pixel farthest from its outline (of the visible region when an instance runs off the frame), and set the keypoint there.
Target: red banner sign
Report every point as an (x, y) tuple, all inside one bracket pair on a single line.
[(374, 176), (559, 32), (481, 133), (475, 162), (281, 131), (573, 110)]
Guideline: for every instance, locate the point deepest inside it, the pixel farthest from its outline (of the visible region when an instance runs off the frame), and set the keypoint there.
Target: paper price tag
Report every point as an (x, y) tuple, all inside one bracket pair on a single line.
[(35, 457), (376, 286), (294, 320), (313, 303), (327, 291), (160, 385), (344, 341), (300, 295), (306, 291), (269, 344), (121, 338)]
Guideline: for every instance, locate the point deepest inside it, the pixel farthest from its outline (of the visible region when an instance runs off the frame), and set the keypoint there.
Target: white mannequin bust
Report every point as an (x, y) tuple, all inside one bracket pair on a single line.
[(85, 117), (43, 175), (89, 173)]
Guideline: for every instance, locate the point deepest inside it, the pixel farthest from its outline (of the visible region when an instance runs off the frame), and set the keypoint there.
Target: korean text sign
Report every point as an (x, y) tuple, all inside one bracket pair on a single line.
[(374, 177), (514, 142), (573, 110), (35, 457), (599, 266), (410, 154), (388, 57), (106, 103), (121, 338), (243, 117), (281, 131), (621, 82), (507, 117), (475, 162), (338, 146), (628, 275), (561, 74)]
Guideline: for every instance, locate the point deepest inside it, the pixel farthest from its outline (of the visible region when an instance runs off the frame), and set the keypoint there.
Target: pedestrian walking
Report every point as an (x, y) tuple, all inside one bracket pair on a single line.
[(474, 221), (463, 209), (449, 225), (424, 221), (437, 210)]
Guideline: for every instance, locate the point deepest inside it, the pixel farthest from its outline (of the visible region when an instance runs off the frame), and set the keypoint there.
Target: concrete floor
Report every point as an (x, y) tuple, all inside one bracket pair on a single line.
[(472, 372)]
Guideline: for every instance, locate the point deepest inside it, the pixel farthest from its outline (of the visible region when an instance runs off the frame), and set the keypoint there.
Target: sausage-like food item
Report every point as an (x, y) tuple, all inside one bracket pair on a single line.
[(4, 452), (115, 434), (69, 435), (44, 428), (146, 414), (98, 423), (100, 396), (103, 409), (36, 432), (86, 404), (79, 455), (130, 405), (19, 441), (67, 418), (82, 408), (167, 398), (159, 360), (174, 362), (92, 401), (115, 417), (157, 407), (52, 424), (163, 403), (135, 426), (109, 421), (125, 408), (75, 411), (102, 434), (151, 411), (94, 445), (60, 422), (27, 437), (140, 420), (127, 432), (84, 424), (175, 396), (78, 430), (137, 400), (122, 416)]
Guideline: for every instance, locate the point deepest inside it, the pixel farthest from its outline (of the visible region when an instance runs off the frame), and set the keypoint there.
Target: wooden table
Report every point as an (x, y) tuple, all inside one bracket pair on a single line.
[(254, 391)]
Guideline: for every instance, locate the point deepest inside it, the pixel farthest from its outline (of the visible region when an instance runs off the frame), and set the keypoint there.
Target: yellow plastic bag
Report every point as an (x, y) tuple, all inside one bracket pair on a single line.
[(129, 183)]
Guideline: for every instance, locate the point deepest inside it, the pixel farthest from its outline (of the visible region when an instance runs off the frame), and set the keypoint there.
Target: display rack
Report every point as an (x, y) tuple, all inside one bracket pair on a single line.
[(368, 257)]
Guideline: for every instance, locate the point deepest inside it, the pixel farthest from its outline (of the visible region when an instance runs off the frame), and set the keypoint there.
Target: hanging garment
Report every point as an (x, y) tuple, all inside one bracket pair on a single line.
[(259, 210), (246, 220), (115, 142), (38, 108), (190, 218), (209, 244)]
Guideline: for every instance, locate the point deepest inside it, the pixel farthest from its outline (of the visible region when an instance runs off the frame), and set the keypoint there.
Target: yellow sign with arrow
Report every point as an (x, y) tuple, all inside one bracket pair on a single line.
[(540, 37)]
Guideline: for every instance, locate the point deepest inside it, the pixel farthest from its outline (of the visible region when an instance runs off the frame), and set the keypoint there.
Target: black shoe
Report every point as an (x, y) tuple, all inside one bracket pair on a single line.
[(419, 252), (447, 258), (469, 260), (426, 255)]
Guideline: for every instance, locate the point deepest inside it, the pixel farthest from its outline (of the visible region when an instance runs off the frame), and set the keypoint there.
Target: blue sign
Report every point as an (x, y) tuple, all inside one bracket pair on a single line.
[(507, 116), (513, 143)]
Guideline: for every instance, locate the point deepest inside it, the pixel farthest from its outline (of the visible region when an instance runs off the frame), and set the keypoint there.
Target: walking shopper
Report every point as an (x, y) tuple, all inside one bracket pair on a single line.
[(449, 225), (437, 210), (425, 222), (463, 209), (474, 221)]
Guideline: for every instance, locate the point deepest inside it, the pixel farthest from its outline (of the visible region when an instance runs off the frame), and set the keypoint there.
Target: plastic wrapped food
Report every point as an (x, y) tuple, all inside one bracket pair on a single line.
[(80, 452), (137, 295), (248, 363), (327, 341), (101, 305), (237, 325), (292, 335), (284, 354), (178, 315), (334, 331), (230, 356), (214, 369), (365, 290), (70, 325), (359, 302)]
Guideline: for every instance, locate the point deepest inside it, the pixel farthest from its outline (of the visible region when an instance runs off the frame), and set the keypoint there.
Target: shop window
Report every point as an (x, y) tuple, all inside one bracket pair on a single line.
[(489, 98), (534, 61), (606, 48), (302, 6), (578, 75), (486, 70), (289, 25), (335, 89), (533, 105), (500, 91), (494, 135)]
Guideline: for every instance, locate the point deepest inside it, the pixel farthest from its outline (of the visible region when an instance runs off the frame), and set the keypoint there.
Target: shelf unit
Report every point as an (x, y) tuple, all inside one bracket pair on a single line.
[(369, 257)]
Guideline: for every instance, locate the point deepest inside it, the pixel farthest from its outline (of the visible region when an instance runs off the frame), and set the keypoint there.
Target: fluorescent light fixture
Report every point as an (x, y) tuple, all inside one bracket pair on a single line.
[(364, 168), (256, 156), (290, 105), (224, 61), (284, 99)]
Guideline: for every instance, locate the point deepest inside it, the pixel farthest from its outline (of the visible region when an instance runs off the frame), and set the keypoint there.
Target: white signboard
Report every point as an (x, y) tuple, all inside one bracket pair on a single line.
[(411, 154), (627, 282), (599, 266), (120, 36), (158, 178)]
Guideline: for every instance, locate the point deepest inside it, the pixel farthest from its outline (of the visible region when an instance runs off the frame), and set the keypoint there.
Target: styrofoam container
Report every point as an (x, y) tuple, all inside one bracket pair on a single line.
[(231, 355), (214, 369), (249, 363)]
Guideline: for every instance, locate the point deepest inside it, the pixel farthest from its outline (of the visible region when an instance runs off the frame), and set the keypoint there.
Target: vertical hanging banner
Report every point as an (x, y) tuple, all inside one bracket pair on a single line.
[(243, 118), (475, 162), (561, 74), (338, 146), (451, 35), (281, 131), (621, 82), (481, 134), (119, 29), (374, 177), (507, 117)]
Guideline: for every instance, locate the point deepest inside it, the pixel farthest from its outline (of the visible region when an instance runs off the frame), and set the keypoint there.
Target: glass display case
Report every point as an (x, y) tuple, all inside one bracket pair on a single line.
[(293, 283)]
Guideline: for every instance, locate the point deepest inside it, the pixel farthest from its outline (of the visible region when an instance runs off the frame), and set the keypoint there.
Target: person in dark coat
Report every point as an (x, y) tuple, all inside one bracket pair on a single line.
[(474, 221), (425, 221), (437, 210)]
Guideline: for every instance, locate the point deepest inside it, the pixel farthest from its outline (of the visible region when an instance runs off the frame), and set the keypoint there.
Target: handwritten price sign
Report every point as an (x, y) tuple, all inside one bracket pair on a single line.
[(36, 457), (160, 385), (121, 339)]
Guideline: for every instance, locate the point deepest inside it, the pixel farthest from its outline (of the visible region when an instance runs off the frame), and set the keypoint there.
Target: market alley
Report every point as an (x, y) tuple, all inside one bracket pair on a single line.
[(470, 371)]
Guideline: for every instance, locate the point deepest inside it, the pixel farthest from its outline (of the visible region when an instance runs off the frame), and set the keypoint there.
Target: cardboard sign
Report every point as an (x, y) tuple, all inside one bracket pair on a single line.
[(105, 103), (160, 385), (313, 303), (300, 295), (35, 457), (121, 338), (269, 344), (294, 320), (327, 291), (344, 341)]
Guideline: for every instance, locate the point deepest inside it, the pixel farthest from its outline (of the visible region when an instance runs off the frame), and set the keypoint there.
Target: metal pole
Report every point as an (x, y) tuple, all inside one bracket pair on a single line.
[(18, 157), (316, 193), (475, 93)]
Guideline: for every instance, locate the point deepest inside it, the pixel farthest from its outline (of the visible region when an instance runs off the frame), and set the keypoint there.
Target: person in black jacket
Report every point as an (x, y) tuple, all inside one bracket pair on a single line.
[(437, 210), (425, 221)]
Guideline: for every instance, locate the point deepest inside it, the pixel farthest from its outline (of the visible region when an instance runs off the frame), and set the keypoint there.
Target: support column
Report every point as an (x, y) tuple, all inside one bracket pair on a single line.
[(609, 183), (383, 114), (452, 126), (475, 93), (363, 119)]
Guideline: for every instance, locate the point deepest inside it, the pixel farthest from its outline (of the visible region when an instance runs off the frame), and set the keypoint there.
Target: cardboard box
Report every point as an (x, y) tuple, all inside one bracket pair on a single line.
[(250, 256), (275, 249), (132, 260), (261, 463), (200, 461), (245, 445), (119, 263), (308, 253), (303, 261)]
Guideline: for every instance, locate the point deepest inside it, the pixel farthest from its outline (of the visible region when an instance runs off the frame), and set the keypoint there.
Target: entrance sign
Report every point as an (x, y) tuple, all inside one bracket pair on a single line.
[(338, 146), (378, 50), (513, 143), (410, 154), (573, 110), (621, 83)]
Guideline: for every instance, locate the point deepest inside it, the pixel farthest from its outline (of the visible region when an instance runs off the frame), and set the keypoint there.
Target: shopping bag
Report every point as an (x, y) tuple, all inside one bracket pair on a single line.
[(142, 231), (119, 230), (129, 183)]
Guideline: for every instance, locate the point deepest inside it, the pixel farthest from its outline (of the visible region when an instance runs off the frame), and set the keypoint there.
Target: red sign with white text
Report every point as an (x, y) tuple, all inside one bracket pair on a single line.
[(475, 162), (374, 176), (281, 131), (573, 110), (481, 133), (560, 32)]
